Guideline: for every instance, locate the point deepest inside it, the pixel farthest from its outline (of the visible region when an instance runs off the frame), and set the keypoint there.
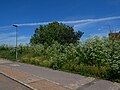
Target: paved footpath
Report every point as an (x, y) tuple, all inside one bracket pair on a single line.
[(9, 84), (41, 78)]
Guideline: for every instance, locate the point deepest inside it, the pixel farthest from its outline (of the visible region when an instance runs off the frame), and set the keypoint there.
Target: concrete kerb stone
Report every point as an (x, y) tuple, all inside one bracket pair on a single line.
[(115, 86)]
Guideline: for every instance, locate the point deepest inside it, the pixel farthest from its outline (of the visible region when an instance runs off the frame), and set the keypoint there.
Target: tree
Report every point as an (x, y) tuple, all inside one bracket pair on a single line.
[(55, 32)]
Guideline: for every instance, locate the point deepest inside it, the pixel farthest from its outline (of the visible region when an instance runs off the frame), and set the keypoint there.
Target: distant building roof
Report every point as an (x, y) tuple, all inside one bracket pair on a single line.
[(114, 36)]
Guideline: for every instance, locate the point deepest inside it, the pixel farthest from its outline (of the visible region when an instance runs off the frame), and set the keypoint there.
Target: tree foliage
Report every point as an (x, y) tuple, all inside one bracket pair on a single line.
[(55, 32)]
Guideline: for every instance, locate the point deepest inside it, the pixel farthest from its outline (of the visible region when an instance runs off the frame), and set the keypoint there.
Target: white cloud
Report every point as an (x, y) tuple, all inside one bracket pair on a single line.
[(5, 27), (76, 22), (99, 34), (23, 40), (32, 24), (81, 24), (10, 39), (7, 35), (97, 20)]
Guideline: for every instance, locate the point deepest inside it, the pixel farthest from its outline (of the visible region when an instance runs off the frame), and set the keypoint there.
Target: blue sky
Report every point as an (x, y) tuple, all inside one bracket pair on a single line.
[(90, 16)]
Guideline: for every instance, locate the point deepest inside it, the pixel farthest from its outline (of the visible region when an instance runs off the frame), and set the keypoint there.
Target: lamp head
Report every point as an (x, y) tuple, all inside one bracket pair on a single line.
[(15, 25)]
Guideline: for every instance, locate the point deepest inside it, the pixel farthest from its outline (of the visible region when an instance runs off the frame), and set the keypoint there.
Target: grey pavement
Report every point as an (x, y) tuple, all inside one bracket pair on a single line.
[(70, 80), (9, 84)]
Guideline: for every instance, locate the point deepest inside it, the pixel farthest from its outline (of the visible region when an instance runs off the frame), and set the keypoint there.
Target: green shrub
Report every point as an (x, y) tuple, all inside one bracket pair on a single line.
[(98, 57)]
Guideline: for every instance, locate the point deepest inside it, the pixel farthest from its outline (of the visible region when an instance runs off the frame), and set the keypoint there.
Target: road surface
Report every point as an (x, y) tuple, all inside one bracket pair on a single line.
[(73, 81)]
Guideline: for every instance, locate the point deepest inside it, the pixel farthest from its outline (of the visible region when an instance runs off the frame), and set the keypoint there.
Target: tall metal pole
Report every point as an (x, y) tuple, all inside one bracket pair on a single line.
[(16, 55), (16, 42)]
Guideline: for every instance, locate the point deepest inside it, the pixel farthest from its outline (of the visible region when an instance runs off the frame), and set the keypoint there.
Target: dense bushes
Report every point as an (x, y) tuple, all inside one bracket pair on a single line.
[(98, 57), (7, 52)]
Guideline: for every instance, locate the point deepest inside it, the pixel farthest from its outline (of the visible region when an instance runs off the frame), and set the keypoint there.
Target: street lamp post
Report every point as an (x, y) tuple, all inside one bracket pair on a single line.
[(16, 40)]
